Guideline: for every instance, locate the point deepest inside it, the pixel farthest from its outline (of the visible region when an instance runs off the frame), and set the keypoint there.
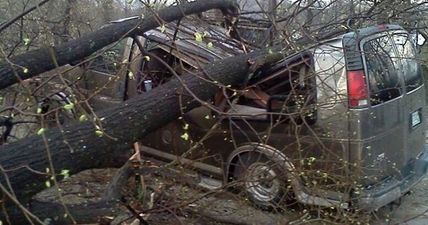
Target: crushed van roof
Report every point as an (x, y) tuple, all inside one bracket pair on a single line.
[(194, 37)]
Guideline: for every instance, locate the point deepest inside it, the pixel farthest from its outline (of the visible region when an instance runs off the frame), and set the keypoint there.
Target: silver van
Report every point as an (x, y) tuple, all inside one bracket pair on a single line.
[(340, 124)]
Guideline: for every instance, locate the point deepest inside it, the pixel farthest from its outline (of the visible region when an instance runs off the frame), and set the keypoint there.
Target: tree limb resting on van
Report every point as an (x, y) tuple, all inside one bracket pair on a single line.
[(34, 62), (80, 146)]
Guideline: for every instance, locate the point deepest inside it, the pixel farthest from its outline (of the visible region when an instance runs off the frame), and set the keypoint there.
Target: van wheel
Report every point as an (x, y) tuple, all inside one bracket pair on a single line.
[(263, 183)]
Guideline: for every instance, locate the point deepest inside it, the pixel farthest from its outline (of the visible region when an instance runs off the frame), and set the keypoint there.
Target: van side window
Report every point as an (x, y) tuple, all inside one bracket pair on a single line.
[(382, 65), (410, 66)]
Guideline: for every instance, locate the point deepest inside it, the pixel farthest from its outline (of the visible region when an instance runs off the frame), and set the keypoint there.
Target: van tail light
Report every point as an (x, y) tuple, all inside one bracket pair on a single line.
[(357, 88)]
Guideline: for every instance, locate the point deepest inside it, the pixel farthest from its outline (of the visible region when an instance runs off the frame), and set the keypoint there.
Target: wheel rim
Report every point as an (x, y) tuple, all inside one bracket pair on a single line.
[(262, 182)]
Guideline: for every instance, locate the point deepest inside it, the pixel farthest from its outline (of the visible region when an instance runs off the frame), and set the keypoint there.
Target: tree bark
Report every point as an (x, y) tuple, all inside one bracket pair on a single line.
[(66, 34), (87, 213), (78, 147), (41, 60)]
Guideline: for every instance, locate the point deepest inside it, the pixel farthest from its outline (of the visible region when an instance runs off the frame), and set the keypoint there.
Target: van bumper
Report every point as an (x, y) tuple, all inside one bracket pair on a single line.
[(392, 189)]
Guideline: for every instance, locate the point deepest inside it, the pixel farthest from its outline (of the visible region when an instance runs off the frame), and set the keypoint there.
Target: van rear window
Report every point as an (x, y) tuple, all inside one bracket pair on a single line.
[(382, 65), (410, 66)]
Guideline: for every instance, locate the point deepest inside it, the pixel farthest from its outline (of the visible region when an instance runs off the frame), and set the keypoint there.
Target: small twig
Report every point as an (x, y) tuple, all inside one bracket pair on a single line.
[(134, 212), (136, 159), (10, 22), (29, 216)]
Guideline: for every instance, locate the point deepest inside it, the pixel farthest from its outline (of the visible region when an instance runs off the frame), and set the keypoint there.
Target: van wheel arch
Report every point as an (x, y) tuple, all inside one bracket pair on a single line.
[(263, 149), (267, 152)]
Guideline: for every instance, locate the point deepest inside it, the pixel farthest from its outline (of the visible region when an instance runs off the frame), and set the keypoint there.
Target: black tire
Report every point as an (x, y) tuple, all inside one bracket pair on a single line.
[(261, 180)]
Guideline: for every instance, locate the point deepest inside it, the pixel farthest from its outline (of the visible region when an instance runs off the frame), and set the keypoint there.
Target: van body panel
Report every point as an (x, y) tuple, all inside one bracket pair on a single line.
[(330, 72), (379, 133), (375, 196), (414, 136)]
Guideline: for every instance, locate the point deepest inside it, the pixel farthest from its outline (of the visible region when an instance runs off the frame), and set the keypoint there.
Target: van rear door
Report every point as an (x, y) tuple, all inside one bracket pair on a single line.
[(384, 120), (393, 127), (413, 100)]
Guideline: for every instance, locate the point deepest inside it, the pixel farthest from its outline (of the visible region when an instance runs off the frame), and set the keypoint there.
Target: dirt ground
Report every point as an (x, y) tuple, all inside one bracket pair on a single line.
[(179, 204), (413, 209), (182, 204)]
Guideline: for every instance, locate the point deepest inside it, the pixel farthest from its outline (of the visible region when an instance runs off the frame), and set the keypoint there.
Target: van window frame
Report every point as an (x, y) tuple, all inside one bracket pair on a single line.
[(365, 40), (405, 87)]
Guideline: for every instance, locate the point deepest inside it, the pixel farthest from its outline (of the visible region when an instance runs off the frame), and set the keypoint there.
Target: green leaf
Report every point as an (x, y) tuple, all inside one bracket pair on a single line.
[(162, 28), (185, 136), (83, 118), (69, 106), (210, 44), (48, 184), (147, 58), (186, 126), (26, 41), (65, 173), (99, 133), (39, 110), (25, 70), (41, 131), (131, 75), (198, 37)]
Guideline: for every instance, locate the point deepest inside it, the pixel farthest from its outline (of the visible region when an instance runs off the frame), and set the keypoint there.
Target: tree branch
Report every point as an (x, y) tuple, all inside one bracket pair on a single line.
[(10, 22), (38, 61)]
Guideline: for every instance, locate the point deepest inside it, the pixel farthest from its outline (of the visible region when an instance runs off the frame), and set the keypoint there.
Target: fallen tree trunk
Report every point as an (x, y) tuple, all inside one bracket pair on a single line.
[(83, 213), (111, 204), (41, 60), (80, 147)]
